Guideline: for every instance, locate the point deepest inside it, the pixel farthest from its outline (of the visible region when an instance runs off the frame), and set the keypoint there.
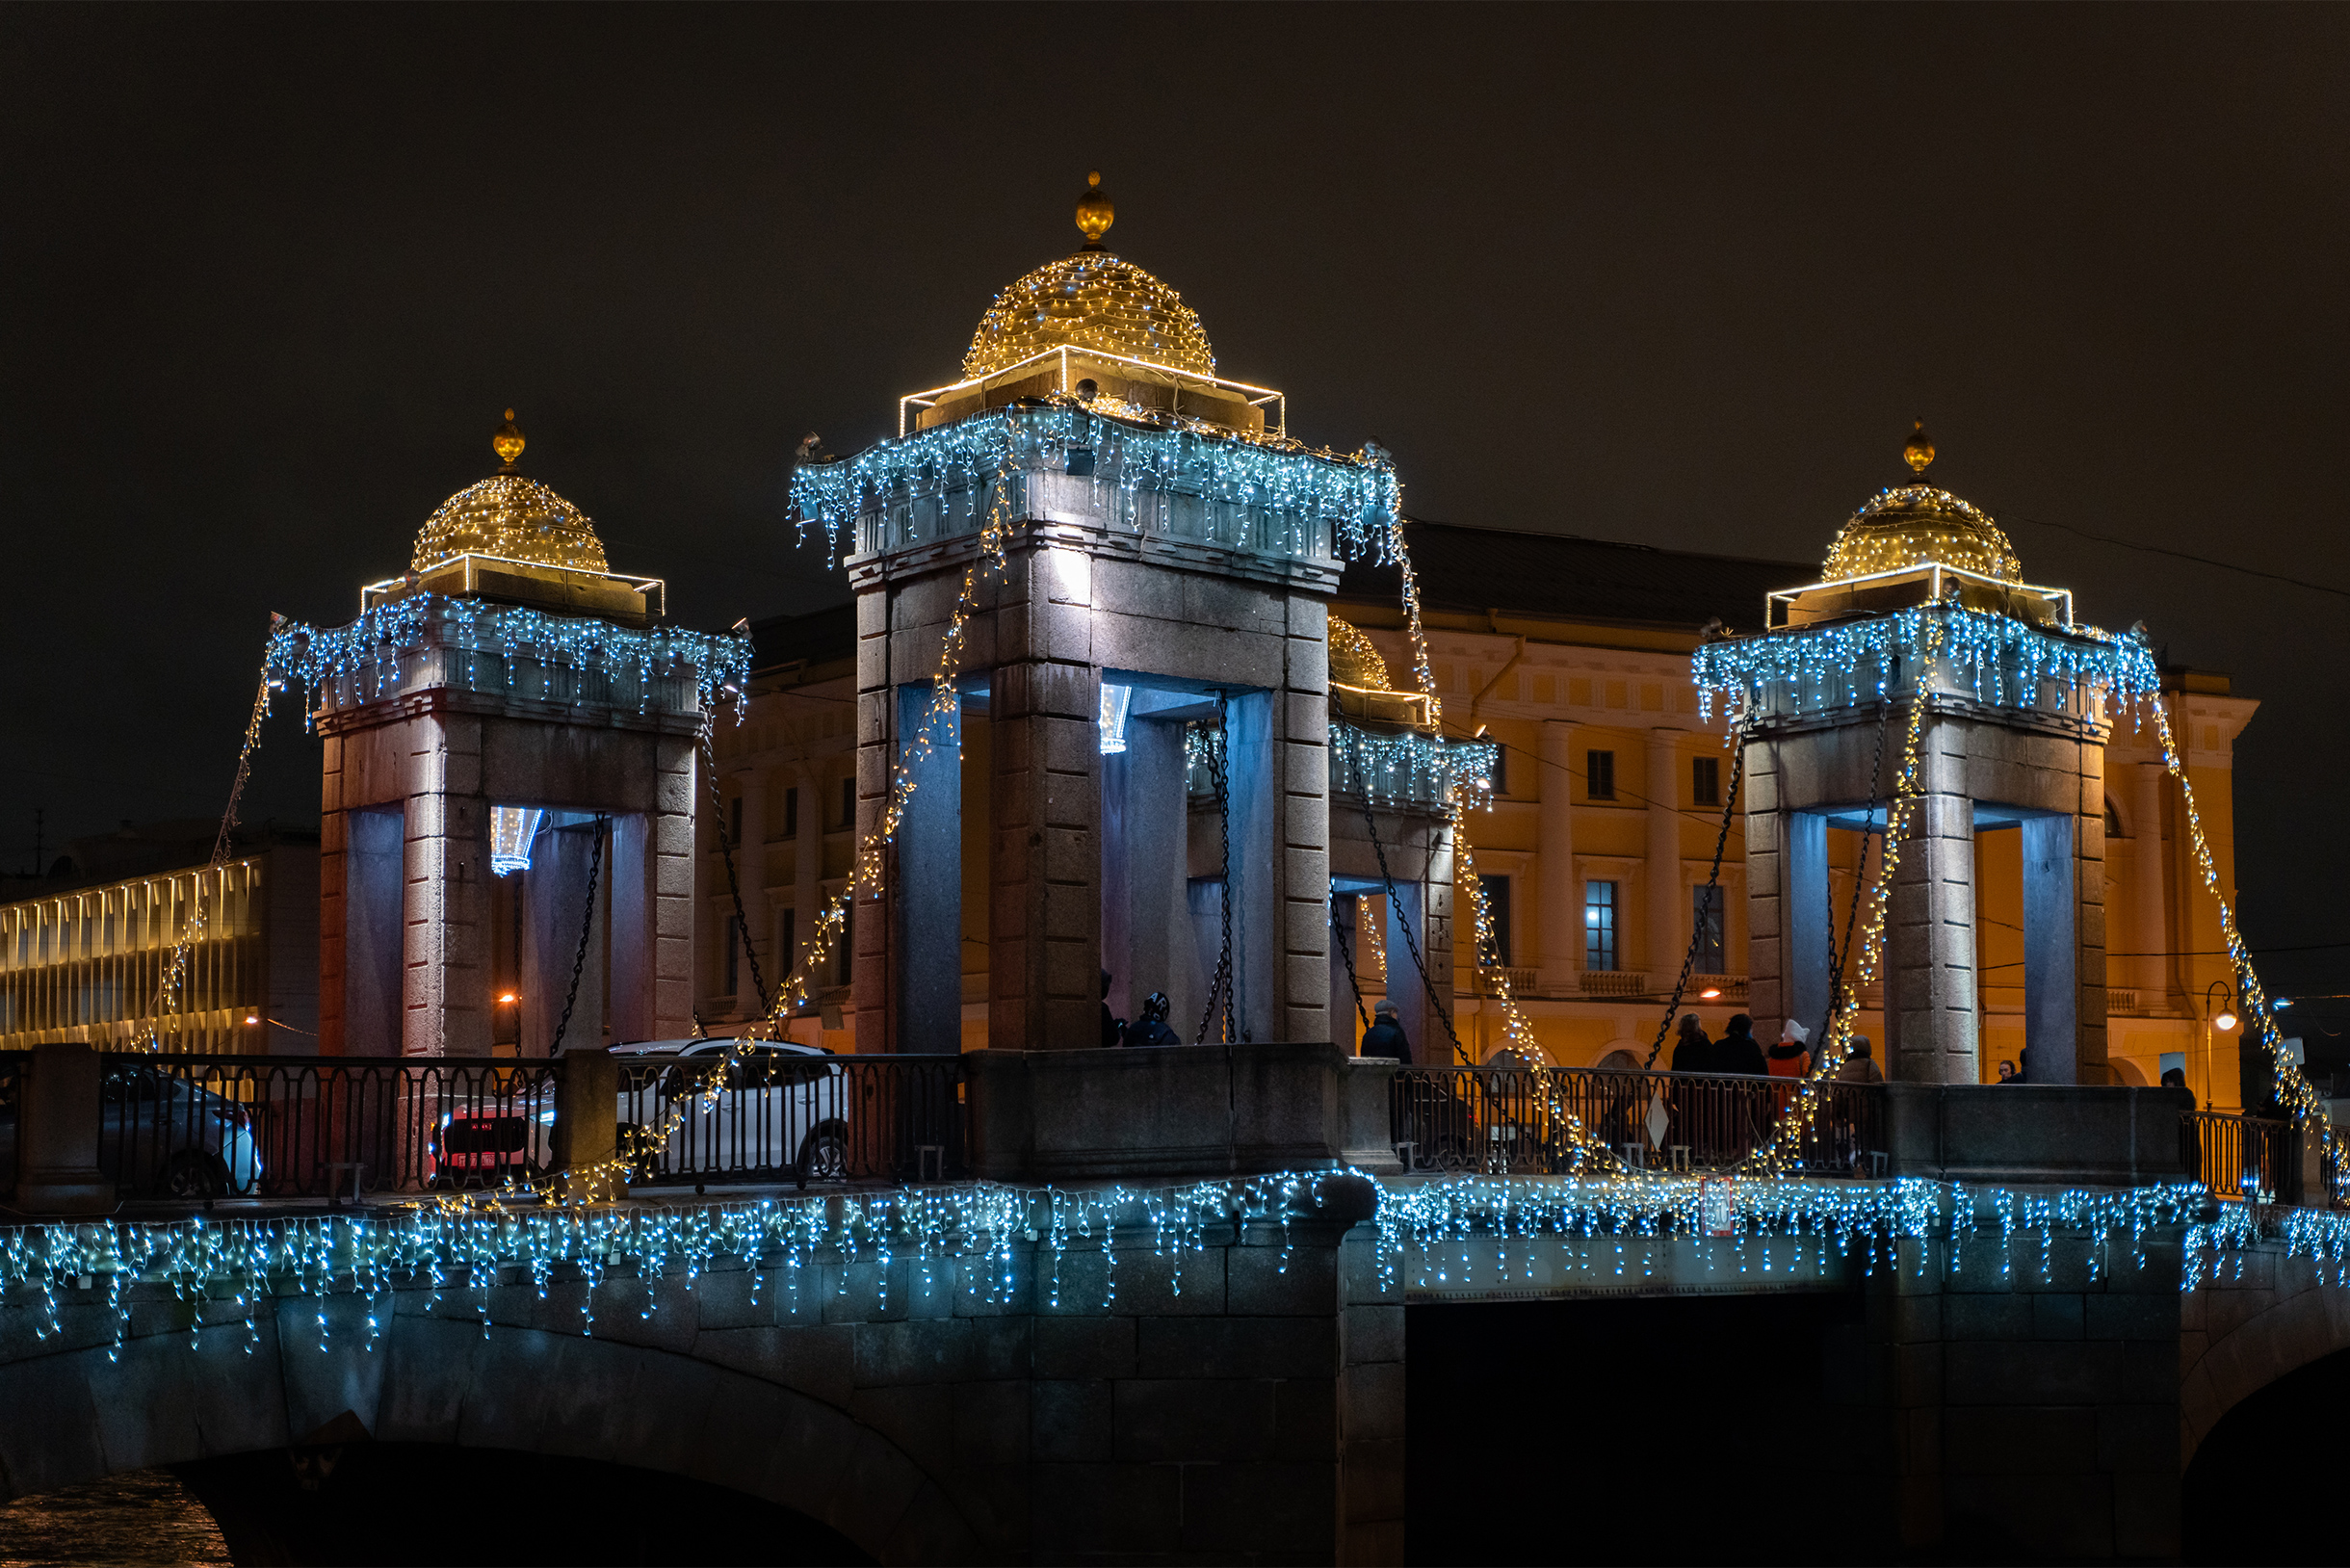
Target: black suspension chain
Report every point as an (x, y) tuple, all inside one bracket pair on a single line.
[(1222, 985), (1411, 943), (734, 886), (1840, 956), (579, 960), (1713, 887), (1345, 955)]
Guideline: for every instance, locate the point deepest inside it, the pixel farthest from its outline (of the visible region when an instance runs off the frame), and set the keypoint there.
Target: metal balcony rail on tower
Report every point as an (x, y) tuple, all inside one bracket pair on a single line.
[(776, 1117), (1507, 1121), (197, 1126)]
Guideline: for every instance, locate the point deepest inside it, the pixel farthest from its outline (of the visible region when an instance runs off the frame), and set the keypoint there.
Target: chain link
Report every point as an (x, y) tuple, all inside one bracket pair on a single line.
[(1411, 943), (1345, 953), (734, 886), (579, 961), (1713, 886), (1222, 985), (1839, 958)]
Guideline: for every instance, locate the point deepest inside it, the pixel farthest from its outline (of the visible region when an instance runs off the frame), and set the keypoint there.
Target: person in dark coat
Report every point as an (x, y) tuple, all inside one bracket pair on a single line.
[(1151, 1029), (1113, 1029), (1692, 1051), (1385, 1036), (1737, 1050)]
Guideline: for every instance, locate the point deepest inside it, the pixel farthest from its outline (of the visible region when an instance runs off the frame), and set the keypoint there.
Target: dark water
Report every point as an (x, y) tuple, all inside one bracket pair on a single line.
[(145, 1518)]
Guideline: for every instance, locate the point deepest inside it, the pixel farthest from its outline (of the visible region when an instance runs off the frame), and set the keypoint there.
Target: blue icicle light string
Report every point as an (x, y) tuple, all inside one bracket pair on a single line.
[(1358, 495), (2003, 660), (1410, 768), (458, 1252), (315, 657)]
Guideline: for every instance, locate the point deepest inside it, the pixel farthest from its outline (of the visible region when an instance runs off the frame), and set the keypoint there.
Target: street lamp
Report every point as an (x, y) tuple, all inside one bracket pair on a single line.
[(2222, 1020)]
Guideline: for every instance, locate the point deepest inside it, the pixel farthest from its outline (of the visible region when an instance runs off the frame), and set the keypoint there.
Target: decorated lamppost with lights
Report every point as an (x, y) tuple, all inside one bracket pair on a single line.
[(508, 810), (1922, 693), (1116, 560)]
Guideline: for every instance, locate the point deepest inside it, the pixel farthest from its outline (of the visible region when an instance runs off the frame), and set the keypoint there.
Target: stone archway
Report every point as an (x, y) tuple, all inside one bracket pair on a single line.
[(77, 1415), (2238, 1335)]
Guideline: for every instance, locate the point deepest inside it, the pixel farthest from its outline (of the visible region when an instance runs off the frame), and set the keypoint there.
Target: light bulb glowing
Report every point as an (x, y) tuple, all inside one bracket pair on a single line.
[(513, 830), (2224, 1021), (1709, 993)]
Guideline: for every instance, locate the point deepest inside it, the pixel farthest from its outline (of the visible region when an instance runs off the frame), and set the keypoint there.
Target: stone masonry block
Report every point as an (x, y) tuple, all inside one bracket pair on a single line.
[(2077, 1371), (1306, 1418), (1990, 1315), (1070, 1420), (1270, 1509), (991, 1423), (2134, 1315), (2056, 1316), (1271, 1348), (1373, 1333), (1101, 1509), (1261, 1283), (1193, 1420), (2004, 1440), (1373, 1401), (919, 1351)]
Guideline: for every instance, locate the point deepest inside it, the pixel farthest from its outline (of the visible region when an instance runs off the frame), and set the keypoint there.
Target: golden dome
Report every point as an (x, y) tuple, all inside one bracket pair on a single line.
[(510, 517), (1353, 659), (1916, 524), (1090, 301)]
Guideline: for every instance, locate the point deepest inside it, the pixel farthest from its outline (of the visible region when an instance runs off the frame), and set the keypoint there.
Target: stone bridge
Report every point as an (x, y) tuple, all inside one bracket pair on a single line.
[(1286, 1377)]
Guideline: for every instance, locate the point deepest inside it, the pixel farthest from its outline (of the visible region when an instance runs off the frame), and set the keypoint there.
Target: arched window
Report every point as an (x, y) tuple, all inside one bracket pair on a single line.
[(2113, 819)]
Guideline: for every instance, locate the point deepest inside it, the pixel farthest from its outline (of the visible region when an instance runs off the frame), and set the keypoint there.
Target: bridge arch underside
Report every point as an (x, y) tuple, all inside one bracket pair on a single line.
[(2280, 1444), (2259, 1326), (74, 1415)]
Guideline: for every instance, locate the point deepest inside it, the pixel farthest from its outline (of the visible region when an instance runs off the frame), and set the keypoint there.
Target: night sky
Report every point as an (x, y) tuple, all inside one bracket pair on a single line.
[(1674, 274)]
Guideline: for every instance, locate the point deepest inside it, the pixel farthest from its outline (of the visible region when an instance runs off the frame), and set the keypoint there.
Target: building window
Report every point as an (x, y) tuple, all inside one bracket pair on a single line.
[(734, 954), (1705, 781), (1705, 920), (1500, 769), (843, 958), (787, 938), (849, 801), (1493, 946), (1599, 775), (791, 812), (2113, 822), (734, 821), (1599, 922)]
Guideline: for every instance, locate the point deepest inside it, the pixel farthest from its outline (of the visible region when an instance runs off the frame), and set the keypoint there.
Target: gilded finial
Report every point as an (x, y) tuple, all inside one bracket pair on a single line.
[(1094, 213), (508, 442), (1920, 450)]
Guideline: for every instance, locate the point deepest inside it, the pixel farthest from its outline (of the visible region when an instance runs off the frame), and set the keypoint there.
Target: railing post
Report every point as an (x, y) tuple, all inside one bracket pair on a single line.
[(57, 1171), (587, 1123)]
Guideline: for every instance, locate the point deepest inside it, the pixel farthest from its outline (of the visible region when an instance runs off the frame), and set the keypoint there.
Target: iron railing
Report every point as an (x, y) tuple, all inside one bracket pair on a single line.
[(180, 1126), (788, 1117), (2242, 1157), (1505, 1119), (13, 1065)]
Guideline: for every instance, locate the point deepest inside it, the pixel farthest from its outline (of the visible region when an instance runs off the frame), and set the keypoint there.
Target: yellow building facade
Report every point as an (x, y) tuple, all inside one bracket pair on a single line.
[(1546, 670)]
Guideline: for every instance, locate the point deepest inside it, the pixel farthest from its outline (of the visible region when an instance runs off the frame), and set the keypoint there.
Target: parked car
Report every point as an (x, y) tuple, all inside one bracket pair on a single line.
[(161, 1134), (783, 1110), (487, 1144)]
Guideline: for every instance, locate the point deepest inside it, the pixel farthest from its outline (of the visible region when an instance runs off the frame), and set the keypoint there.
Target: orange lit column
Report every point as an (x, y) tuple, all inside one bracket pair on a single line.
[(1561, 900)]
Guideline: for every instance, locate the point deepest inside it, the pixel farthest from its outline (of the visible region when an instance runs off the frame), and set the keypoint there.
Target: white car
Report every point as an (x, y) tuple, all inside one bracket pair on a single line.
[(160, 1134), (782, 1111)]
